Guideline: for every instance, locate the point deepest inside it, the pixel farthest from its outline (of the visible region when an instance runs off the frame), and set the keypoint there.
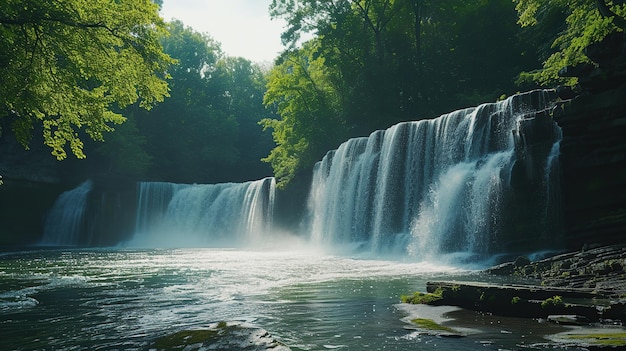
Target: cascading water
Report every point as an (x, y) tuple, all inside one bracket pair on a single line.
[(177, 215), (64, 222), (425, 188)]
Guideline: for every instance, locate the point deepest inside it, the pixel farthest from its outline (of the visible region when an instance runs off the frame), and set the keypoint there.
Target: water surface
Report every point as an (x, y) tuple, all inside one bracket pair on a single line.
[(70, 299)]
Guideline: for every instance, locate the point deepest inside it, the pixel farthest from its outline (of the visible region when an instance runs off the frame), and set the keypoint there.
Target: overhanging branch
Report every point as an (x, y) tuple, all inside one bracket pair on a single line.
[(607, 12), (25, 21)]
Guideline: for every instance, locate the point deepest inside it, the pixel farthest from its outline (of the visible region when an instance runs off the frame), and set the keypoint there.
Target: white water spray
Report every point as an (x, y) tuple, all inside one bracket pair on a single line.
[(422, 188), (65, 220), (184, 215)]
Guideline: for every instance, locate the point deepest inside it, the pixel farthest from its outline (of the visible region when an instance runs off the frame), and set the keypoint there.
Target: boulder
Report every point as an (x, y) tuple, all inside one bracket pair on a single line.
[(220, 336)]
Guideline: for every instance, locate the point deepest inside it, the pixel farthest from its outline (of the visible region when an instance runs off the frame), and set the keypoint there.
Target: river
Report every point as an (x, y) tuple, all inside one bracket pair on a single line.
[(103, 299)]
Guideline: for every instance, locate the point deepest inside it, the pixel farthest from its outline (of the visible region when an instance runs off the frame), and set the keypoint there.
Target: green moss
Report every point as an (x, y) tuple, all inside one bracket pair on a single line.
[(429, 324), (485, 297), (556, 300), (184, 338), (604, 339), (515, 300), (420, 298)]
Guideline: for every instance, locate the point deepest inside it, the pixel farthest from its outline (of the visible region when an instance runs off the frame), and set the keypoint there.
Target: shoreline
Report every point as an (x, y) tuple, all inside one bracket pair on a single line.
[(573, 300)]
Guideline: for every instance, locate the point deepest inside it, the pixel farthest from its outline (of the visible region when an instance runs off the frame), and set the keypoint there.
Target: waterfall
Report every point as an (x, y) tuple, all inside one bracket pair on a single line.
[(65, 220), (175, 215), (427, 187)]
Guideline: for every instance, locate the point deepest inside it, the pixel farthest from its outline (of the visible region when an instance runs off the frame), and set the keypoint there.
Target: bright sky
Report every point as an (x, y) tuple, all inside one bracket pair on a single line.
[(243, 27)]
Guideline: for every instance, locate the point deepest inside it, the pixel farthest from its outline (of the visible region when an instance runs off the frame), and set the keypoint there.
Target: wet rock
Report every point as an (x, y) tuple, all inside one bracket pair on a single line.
[(521, 261), (568, 319), (221, 336), (598, 268), (504, 269), (513, 300)]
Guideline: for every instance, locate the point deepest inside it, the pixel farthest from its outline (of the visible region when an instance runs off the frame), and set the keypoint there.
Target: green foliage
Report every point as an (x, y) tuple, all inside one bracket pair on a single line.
[(555, 301), (515, 300), (300, 89), (69, 64), (125, 150), (584, 25), (207, 131)]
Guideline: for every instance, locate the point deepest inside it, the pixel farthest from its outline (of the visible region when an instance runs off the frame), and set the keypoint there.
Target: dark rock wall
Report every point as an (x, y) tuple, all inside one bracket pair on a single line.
[(593, 167), (111, 212), (23, 207), (593, 150), (533, 214)]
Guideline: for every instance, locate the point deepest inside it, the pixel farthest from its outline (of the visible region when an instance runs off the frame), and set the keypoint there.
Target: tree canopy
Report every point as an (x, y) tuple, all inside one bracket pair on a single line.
[(586, 22), (374, 63), (71, 65), (207, 130)]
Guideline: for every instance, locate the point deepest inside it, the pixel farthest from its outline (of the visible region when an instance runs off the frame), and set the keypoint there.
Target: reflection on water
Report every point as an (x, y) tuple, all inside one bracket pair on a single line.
[(125, 299)]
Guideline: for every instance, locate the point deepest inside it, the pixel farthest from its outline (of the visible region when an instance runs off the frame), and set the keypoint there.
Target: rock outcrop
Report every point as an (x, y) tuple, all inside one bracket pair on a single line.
[(221, 336), (593, 150)]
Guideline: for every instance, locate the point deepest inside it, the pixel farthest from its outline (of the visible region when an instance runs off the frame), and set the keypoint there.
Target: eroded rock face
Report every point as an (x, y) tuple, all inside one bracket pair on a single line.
[(593, 149), (221, 336), (593, 168), (601, 269)]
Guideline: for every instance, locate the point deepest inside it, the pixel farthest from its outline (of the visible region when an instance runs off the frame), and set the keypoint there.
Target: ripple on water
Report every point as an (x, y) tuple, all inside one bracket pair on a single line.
[(125, 299)]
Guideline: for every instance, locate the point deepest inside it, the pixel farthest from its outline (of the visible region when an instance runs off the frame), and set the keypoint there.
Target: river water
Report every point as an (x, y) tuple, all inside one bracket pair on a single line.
[(74, 299)]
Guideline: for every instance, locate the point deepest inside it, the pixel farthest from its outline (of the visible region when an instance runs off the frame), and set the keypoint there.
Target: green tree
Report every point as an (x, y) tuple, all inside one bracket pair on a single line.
[(69, 64), (301, 91), (368, 48), (243, 84), (125, 151), (586, 22), (207, 130), (194, 113)]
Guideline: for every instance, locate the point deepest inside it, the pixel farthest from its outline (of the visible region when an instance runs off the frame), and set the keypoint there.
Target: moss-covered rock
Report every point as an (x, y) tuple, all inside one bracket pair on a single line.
[(220, 336)]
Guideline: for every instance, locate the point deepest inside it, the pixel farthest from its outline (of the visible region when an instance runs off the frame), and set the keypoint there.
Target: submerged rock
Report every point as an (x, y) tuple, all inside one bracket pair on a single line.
[(220, 336), (568, 319)]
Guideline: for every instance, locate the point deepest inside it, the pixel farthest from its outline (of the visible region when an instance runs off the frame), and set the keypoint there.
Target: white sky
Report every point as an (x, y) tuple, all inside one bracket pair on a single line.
[(243, 27)]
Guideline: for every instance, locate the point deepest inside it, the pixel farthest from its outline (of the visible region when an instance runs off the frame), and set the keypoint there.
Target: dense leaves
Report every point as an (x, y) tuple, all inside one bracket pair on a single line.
[(207, 130), (302, 91), (586, 22), (68, 65)]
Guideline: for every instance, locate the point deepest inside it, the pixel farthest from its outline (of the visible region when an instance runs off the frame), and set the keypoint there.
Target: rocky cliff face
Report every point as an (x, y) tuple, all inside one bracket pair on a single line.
[(593, 150), (593, 167)]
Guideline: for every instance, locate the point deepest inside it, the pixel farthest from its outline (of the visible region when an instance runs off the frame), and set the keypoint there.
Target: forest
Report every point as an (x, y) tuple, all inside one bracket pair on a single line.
[(131, 95)]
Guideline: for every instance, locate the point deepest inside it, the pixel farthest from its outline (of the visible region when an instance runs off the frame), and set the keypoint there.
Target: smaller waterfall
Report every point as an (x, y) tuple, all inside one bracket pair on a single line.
[(185, 215), (65, 221)]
